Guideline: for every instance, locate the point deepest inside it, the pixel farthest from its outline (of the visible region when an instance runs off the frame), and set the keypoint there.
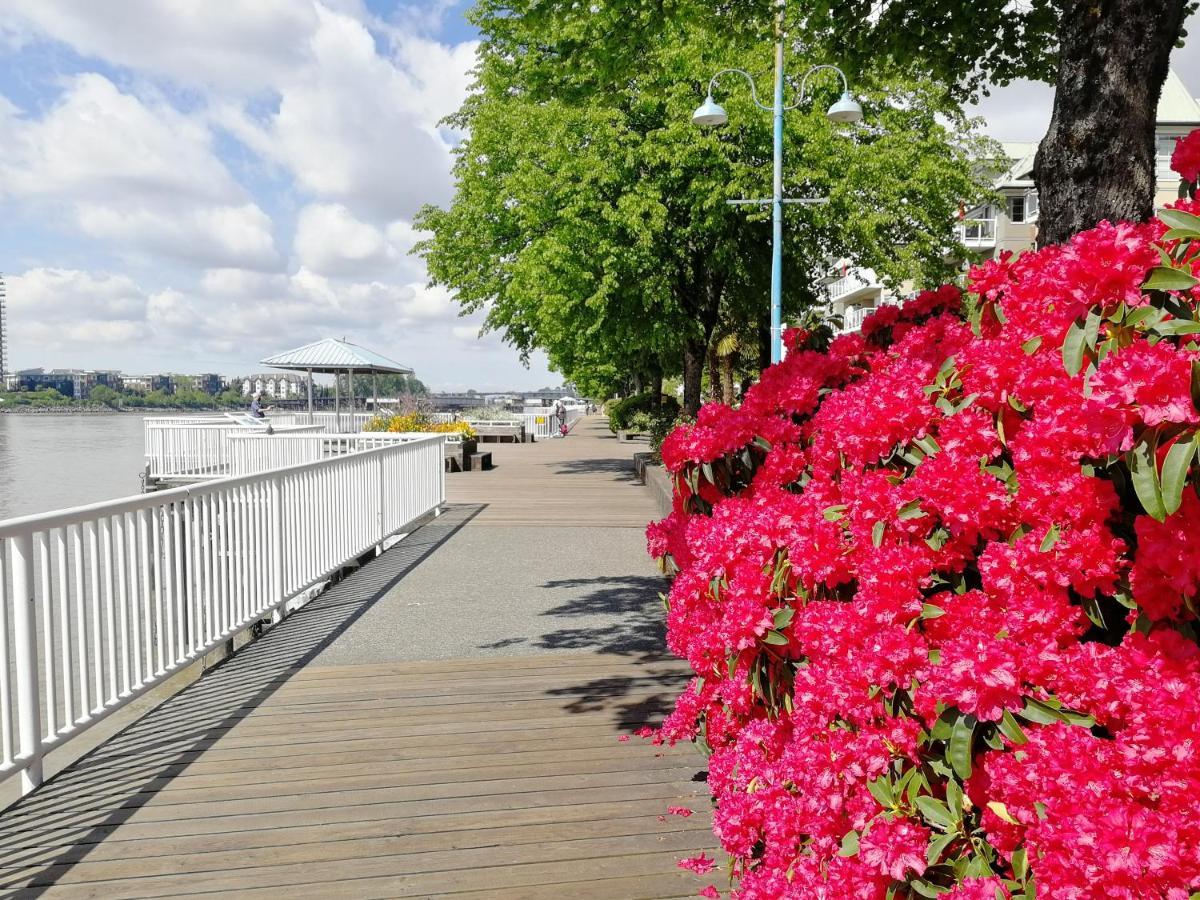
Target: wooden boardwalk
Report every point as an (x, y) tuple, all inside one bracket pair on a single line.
[(500, 777)]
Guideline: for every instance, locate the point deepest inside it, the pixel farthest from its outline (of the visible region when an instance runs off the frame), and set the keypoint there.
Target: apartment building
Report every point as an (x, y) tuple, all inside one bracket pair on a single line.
[(1011, 223)]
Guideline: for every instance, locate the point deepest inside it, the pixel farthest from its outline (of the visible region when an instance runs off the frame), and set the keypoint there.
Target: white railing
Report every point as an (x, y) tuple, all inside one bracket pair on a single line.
[(250, 453), (854, 280), (344, 423), (977, 232), (545, 424), (198, 449), (101, 603), (852, 318)]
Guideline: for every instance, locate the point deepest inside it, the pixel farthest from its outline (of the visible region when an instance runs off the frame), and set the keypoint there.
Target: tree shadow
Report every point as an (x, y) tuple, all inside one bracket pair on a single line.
[(632, 619), (44, 834), (621, 468), (631, 626)]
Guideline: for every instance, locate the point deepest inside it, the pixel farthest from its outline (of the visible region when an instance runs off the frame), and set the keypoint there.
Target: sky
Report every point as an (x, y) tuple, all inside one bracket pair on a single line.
[(189, 186)]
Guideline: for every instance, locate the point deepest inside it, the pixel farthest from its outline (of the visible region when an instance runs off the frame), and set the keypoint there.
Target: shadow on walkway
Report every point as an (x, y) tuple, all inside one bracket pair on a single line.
[(636, 629), (81, 806)]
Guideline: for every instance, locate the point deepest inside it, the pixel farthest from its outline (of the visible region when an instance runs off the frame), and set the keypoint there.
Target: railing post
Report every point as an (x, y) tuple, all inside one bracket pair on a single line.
[(29, 713), (275, 492), (380, 498)]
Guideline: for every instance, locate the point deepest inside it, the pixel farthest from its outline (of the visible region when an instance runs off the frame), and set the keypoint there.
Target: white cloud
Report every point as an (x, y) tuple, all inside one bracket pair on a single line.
[(240, 46), (140, 175), (361, 128), (53, 308), (329, 240)]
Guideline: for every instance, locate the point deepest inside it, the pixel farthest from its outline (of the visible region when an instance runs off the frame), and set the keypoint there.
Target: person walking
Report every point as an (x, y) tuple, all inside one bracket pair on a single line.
[(560, 413)]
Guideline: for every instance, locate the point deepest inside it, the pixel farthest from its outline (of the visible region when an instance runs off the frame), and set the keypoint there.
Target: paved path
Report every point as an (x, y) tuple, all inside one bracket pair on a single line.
[(442, 723)]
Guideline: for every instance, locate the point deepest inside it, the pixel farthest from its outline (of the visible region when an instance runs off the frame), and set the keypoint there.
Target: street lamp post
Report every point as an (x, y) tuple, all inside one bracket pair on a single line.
[(710, 113)]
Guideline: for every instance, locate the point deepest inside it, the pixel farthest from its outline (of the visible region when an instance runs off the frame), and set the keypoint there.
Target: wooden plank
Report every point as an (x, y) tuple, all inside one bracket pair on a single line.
[(514, 825), (420, 874), (499, 778)]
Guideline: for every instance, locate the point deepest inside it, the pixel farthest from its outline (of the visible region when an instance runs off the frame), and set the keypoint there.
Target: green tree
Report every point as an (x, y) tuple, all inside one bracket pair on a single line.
[(591, 218), (105, 395), (1108, 60)]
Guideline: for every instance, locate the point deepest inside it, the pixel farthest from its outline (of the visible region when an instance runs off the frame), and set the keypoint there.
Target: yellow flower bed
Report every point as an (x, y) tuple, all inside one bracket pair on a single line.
[(419, 422)]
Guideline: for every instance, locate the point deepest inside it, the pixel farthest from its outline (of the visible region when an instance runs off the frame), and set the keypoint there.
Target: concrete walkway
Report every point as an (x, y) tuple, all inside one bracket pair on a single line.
[(444, 722)]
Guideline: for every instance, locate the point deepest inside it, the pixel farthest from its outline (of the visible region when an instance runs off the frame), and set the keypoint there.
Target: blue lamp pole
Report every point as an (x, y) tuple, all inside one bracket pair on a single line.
[(710, 113)]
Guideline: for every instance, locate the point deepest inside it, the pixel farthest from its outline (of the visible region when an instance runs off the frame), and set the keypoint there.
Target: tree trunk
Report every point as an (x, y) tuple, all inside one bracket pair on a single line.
[(693, 374), (656, 387), (1097, 160), (714, 372), (727, 364)]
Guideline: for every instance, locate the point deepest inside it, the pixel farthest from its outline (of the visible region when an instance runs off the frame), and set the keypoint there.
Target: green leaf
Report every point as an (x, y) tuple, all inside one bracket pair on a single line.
[(881, 790), (774, 637), (783, 617), (1195, 384), (928, 444), (1031, 346), (935, 811), (1144, 473), (954, 798), (1011, 729), (938, 846), (877, 532), (1051, 538), (1167, 278), (927, 889), (1174, 473), (1073, 348), (833, 513), (962, 739), (849, 844), (1020, 864), (911, 510), (1170, 327), (929, 611), (1091, 329), (1002, 811), (1177, 219)]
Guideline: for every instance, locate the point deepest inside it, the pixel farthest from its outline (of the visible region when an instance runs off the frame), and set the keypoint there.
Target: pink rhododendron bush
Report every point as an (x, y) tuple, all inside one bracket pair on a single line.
[(938, 582)]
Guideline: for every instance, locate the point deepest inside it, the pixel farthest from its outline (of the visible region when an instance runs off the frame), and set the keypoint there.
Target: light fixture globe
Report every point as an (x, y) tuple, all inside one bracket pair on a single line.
[(846, 111), (710, 113)]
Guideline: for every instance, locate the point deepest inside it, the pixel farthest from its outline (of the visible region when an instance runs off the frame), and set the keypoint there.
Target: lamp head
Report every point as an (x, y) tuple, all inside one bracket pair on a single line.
[(710, 113), (846, 111)]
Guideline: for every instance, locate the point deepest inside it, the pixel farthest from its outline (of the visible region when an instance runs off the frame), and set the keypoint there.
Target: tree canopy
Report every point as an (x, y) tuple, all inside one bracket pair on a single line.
[(591, 217)]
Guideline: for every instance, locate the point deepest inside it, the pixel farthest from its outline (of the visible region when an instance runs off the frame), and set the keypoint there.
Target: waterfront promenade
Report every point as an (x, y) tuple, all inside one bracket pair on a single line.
[(444, 722)]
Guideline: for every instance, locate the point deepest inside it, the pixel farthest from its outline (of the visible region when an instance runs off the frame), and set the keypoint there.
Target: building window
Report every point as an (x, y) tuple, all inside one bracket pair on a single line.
[(1016, 209)]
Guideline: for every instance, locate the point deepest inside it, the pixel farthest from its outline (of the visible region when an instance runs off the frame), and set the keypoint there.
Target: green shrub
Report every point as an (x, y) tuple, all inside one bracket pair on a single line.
[(621, 412)]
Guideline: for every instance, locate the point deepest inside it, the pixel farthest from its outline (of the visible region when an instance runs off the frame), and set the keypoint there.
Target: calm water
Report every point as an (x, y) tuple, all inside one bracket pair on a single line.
[(52, 462)]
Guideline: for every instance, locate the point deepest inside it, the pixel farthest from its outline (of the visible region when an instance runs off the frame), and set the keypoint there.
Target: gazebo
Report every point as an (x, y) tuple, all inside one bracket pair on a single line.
[(334, 356)]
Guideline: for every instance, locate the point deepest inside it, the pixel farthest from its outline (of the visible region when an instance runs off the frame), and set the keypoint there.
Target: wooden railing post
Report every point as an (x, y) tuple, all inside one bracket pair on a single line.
[(29, 714)]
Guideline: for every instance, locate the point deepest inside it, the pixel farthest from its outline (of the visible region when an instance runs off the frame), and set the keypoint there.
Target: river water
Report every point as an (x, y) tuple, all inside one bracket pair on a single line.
[(58, 461)]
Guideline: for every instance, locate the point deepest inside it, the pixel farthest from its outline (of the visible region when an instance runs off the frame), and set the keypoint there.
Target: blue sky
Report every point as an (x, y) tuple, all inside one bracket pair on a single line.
[(189, 185)]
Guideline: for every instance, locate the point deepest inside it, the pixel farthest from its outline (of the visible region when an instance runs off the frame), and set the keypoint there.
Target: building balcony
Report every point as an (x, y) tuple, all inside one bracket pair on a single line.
[(977, 233), (855, 284)]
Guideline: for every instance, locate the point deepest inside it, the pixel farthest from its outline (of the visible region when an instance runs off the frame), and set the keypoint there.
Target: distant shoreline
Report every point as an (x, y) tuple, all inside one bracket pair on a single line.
[(6, 410)]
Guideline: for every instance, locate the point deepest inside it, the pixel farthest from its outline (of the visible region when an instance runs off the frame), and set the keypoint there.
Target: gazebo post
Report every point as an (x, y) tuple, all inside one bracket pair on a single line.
[(375, 390), (337, 402), (350, 390), (310, 400)]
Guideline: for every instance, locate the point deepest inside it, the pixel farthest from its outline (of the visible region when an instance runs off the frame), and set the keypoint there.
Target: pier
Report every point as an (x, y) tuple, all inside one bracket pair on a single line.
[(443, 720)]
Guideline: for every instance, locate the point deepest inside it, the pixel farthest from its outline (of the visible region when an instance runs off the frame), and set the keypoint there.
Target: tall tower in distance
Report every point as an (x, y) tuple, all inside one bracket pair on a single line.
[(3, 334)]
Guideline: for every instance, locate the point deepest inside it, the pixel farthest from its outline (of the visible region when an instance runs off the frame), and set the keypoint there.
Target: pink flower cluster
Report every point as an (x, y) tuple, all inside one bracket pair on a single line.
[(1186, 158), (939, 603)]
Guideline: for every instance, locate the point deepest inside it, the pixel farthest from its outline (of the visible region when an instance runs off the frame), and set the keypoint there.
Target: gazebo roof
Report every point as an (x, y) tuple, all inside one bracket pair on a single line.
[(333, 355)]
